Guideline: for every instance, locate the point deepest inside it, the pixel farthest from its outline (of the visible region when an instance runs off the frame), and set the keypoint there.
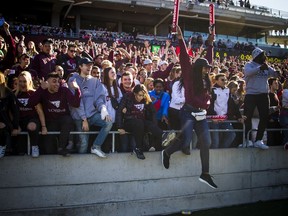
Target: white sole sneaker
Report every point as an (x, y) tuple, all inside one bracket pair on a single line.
[(171, 135), (98, 152), (261, 145)]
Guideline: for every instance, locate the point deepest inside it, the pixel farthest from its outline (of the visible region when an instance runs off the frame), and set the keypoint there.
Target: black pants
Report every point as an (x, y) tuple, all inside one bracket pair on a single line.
[(5, 136), (138, 127), (64, 124), (274, 138), (261, 101), (174, 119)]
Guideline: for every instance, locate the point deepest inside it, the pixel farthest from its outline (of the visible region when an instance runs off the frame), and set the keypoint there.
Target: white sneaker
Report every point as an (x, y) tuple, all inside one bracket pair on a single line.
[(35, 151), (70, 145), (260, 144), (248, 143), (151, 149), (2, 151), (97, 150), (167, 137)]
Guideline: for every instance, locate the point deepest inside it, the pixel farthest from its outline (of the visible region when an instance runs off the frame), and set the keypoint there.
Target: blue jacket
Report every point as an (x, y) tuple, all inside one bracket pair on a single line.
[(164, 106)]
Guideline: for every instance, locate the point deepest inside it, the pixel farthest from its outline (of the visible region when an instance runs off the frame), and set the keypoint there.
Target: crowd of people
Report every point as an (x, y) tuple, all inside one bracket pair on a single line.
[(153, 99)]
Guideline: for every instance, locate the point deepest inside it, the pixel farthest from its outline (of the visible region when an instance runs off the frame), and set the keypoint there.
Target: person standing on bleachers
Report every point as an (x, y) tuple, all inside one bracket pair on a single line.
[(69, 61), (256, 74), (44, 62)]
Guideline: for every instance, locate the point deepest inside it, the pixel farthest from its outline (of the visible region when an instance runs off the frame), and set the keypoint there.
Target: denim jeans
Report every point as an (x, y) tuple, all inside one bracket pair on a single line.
[(225, 138), (203, 135), (283, 120), (84, 138)]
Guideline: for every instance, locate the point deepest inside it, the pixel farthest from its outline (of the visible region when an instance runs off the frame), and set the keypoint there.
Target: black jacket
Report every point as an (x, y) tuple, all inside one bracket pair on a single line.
[(127, 102)]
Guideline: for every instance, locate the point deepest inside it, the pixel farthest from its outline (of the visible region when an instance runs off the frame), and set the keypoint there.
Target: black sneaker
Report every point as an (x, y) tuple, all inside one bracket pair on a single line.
[(165, 159), (186, 151), (207, 179), (167, 137), (64, 152), (139, 153)]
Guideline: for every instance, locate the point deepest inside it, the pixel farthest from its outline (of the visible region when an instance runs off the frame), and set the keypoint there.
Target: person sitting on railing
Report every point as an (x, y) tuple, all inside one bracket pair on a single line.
[(32, 118), (274, 137), (160, 100), (9, 115), (55, 101), (222, 107), (136, 115), (92, 110), (283, 120), (113, 96)]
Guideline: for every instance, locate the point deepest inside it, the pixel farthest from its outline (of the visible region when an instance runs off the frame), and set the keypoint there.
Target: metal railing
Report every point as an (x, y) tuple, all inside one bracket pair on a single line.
[(116, 132)]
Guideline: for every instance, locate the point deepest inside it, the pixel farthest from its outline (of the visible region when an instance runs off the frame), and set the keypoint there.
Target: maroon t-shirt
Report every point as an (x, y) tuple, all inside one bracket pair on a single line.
[(55, 104), (26, 110)]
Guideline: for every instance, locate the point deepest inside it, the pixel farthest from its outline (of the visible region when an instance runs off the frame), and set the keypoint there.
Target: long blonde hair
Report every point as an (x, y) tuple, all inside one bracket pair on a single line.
[(28, 78), (285, 84), (3, 85)]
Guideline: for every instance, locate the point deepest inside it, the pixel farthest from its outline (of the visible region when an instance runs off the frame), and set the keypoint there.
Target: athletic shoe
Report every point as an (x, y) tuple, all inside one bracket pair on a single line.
[(167, 137), (207, 179), (139, 153), (2, 151), (35, 151), (64, 152), (165, 159), (286, 146), (97, 150), (248, 143), (260, 144), (186, 150)]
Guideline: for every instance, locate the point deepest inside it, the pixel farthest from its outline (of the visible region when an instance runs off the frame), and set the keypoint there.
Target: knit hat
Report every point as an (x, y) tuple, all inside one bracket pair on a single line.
[(256, 52)]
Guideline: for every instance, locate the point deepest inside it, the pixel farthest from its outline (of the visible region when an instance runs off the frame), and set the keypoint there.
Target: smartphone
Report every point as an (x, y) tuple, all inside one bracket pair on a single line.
[(11, 72)]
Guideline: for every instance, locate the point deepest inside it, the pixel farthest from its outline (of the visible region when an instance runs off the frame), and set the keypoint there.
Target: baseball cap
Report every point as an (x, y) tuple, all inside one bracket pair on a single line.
[(85, 60), (202, 62), (256, 52), (163, 62), (147, 61), (47, 41)]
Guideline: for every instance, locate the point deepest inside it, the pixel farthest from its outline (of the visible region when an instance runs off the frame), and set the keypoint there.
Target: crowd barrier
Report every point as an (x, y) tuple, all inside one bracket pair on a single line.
[(116, 132)]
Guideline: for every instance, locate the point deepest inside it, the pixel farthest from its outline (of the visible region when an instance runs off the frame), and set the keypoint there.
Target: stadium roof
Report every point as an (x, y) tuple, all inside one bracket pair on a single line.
[(234, 21)]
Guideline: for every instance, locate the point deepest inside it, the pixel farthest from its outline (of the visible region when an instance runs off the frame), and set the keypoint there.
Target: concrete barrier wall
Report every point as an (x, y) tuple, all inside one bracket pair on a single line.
[(123, 185)]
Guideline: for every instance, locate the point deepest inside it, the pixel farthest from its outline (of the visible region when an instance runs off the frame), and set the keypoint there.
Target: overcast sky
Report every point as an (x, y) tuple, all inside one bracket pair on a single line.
[(274, 4)]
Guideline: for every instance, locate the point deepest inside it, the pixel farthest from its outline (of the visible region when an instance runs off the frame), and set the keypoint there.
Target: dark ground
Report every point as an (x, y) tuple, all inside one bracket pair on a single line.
[(267, 208)]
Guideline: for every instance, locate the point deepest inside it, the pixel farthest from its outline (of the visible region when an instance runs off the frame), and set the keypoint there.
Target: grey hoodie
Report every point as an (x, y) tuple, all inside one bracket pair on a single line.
[(256, 79), (92, 96)]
